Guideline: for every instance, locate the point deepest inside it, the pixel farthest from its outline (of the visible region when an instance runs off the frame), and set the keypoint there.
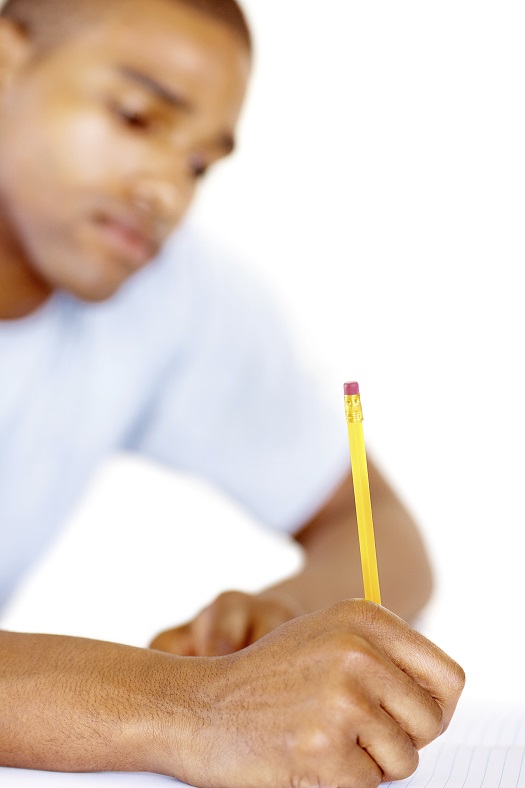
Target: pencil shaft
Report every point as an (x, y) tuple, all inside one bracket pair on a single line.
[(363, 506)]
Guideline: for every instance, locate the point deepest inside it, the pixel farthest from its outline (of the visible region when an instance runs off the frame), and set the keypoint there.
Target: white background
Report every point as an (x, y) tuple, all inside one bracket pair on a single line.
[(379, 188)]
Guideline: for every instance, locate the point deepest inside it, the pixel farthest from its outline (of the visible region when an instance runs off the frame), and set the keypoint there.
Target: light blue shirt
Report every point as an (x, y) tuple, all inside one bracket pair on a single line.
[(189, 364)]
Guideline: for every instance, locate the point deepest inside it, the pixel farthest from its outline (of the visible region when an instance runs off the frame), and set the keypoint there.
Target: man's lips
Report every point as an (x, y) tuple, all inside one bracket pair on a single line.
[(130, 237)]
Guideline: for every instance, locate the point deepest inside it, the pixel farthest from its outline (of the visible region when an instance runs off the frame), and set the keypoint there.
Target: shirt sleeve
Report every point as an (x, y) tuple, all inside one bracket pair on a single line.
[(236, 407)]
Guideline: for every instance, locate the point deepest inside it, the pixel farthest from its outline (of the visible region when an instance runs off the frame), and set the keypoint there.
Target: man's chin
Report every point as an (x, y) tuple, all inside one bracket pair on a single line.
[(97, 295), (95, 291), (100, 280)]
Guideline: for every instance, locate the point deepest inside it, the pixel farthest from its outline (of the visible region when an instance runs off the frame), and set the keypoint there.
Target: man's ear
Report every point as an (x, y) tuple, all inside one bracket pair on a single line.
[(14, 50)]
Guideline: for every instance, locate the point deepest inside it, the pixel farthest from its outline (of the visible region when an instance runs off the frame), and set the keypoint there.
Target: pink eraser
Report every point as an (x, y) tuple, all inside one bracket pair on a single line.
[(351, 389)]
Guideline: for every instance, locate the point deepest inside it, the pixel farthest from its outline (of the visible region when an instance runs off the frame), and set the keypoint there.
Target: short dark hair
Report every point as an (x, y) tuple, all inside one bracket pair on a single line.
[(50, 21)]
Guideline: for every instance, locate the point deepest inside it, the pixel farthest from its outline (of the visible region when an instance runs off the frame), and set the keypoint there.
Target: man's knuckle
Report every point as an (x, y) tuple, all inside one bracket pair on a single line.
[(458, 678), (313, 742), (228, 599), (404, 765)]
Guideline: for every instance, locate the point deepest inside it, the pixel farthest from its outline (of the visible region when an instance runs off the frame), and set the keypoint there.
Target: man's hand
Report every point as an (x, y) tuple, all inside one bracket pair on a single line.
[(231, 622), (342, 698)]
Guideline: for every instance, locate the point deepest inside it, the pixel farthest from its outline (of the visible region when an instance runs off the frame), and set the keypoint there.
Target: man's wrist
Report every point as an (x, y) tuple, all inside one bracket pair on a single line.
[(171, 722)]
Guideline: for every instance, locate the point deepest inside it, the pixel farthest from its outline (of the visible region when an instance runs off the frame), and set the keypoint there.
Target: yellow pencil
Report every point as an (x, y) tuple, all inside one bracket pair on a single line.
[(365, 525)]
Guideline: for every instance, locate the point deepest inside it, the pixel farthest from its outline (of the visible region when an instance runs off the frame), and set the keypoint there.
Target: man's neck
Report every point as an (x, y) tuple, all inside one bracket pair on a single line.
[(21, 291)]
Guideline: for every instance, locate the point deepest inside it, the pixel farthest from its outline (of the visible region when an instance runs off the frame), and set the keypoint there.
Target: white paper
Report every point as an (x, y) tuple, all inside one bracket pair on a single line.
[(484, 747)]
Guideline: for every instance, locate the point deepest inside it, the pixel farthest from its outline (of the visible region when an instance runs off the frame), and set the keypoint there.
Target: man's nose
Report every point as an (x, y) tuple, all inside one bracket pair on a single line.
[(162, 198)]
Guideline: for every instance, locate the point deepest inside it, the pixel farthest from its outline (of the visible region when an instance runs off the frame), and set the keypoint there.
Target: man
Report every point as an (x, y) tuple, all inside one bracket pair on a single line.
[(109, 116)]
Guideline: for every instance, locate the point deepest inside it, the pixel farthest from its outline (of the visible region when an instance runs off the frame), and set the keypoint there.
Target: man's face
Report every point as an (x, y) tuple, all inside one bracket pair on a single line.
[(103, 140)]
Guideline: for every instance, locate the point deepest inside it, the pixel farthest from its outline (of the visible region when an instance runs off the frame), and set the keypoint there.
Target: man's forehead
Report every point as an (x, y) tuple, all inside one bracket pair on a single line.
[(53, 21)]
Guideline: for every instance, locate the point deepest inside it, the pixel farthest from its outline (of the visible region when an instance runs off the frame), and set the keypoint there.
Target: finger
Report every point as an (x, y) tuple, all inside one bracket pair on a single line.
[(357, 770), (413, 653), (179, 640), (413, 710), (333, 759), (435, 672), (224, 626), (387, 743)]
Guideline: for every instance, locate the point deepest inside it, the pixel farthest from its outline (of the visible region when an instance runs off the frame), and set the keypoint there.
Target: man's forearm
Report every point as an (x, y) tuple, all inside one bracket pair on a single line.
[(332, 568), (72, 704)]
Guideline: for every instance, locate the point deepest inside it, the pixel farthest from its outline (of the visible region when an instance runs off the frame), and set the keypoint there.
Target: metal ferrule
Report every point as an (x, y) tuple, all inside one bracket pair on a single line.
[(353, 409)]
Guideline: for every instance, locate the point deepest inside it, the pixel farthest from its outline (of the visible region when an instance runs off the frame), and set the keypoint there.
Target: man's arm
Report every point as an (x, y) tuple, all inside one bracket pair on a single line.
[(73, 704), (331, 572), (345, 696), (332, 569)]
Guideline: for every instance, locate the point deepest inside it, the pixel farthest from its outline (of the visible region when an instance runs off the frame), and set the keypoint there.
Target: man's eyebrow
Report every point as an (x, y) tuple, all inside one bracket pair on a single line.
[(171, 96), (226, 142)]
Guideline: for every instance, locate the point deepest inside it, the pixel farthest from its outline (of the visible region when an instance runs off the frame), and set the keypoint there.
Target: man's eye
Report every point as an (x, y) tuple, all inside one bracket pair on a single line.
[(133, 118)]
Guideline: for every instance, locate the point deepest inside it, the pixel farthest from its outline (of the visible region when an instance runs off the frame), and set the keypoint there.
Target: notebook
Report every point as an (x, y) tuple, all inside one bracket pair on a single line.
[(484, 747)]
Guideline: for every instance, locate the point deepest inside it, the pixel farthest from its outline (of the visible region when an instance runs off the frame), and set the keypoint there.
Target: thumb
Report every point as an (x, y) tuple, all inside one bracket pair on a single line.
[(179, 640), (223, 627)]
